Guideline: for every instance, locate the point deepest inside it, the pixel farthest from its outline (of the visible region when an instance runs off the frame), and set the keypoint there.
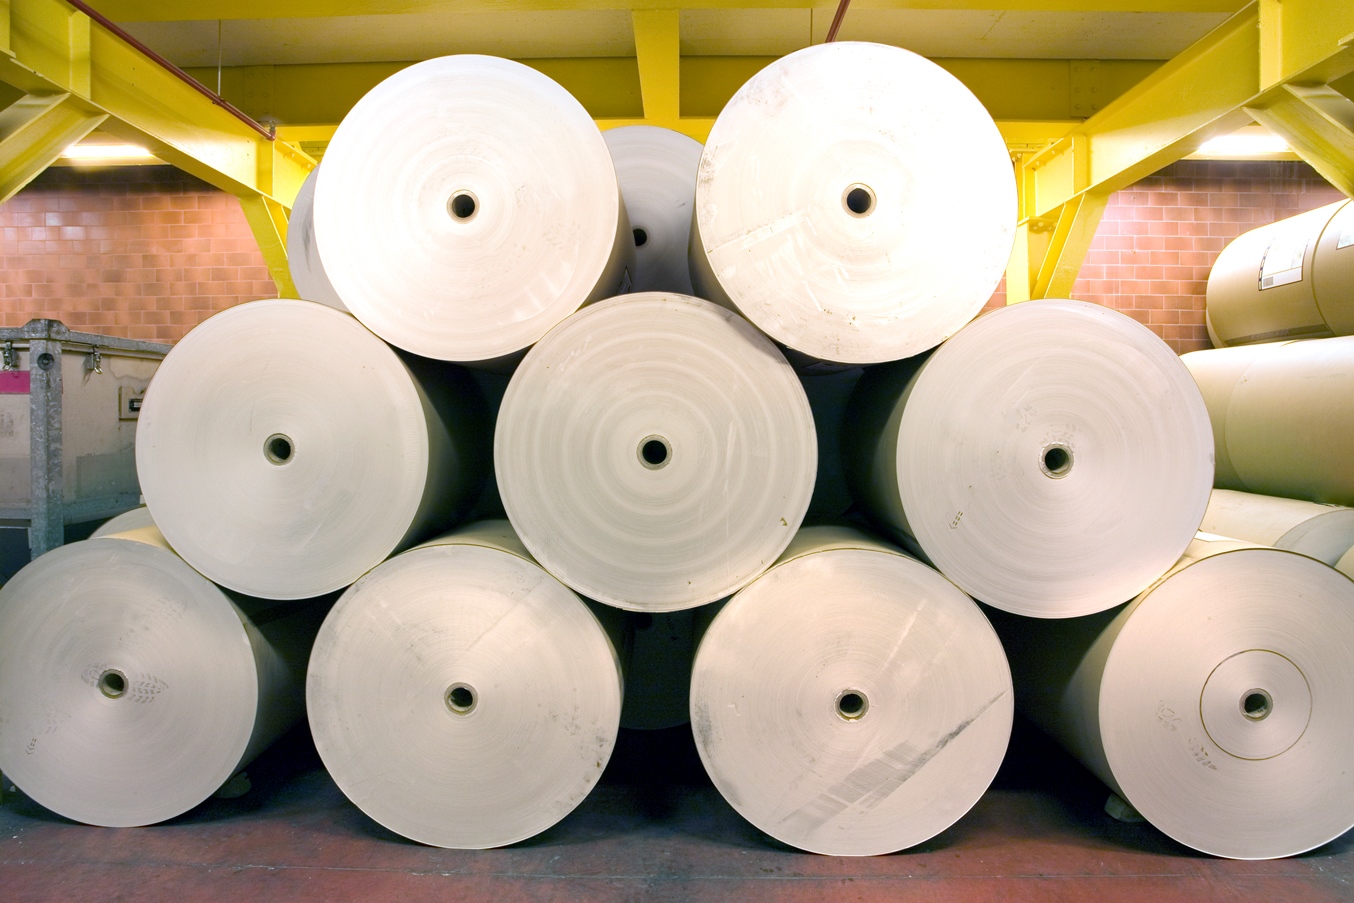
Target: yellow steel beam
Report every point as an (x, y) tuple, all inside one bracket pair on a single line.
[(174, 10), (1273, 61), (268, 220), (1318, 123), (34, 131), (658, 56), (51, 48)]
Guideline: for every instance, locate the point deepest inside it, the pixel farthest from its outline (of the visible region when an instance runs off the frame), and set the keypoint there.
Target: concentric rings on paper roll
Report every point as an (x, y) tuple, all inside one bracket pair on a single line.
[(130, 686), (1324, 532), (851, 701), (461, 696), (656, 169), (303, 255), (655, 452), (284, 450), (1217, 703), (1052, 459), (1287, 416), (466, 205), (855, 202)]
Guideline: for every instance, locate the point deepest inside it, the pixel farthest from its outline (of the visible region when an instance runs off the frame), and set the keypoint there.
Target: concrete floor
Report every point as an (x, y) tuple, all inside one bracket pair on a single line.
[(655, 829)]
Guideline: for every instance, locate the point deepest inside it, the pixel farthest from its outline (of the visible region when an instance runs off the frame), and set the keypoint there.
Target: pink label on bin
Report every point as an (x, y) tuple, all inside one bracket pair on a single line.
[(15, 382)]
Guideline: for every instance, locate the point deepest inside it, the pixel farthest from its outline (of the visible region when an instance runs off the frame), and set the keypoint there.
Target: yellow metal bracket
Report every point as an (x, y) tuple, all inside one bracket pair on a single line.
[(268, 221), (34, 131), (658, 54), (1272, 61)]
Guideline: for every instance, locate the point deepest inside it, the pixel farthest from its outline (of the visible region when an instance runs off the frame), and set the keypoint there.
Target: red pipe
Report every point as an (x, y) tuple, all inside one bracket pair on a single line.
[(187, 79), (837, 21)]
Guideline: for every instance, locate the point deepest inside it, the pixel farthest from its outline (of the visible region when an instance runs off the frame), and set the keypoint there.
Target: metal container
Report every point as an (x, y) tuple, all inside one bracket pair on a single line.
[(69, 403)]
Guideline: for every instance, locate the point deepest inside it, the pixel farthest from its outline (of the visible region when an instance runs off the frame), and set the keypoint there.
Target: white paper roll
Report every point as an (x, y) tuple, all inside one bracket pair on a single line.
[(1287, 416), (131, 688), (303, 255), (1346, 564), (655, 452), (461, 696), (1325, 532), (656, 169), (855, 202), (284, 450), (466, 205), (1216, 703), (850, 701), (1333, 271), (1261, 287), (1052, 459), (135, 519)]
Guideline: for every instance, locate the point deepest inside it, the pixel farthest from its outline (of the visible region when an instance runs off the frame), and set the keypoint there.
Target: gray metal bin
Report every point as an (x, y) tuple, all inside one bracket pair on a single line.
[(69, 403)]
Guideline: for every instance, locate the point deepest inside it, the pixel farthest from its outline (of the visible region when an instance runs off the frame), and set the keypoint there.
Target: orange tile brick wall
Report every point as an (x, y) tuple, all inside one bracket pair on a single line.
[(143, 252), (148, 252), (1158, 239)]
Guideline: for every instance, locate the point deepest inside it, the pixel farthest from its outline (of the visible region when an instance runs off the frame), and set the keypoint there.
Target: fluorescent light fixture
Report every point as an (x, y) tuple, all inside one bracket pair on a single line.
[(1243, 144), (96, 153)]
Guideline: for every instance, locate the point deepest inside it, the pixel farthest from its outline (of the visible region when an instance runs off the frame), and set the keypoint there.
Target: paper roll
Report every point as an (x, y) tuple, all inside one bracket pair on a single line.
[(1287, 420), (284, 450), (1333, 271), (1324, 532), (461, 696), (855, 202), (850, 701), (466, 205), (1216, 703), (1052, 459), (131, 688), (303, 255), (658, 669), (656, 169), (1261, 286), (1346, 564), (655, 452), (136, 519)]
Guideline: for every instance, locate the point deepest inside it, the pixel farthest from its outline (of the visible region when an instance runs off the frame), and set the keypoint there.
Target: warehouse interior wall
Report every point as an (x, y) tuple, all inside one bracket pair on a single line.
[(148, 252)]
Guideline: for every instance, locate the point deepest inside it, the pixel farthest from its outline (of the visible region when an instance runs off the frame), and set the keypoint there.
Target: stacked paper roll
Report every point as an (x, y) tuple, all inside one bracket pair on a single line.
[(656, 169), (461, 696), (855, 202), (131, 687), (1283, 417), (850, 701), (125, 522), (1216, 703), (1346, 564), (1325, 532), (655, 452), (658, 669), (466, 205), (1052, 459), (284, 450), (1289, 279), (303, 255)]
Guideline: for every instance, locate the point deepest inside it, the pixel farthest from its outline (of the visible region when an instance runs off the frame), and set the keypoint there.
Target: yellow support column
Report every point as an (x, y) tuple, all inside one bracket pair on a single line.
[(34, 131), (658, 53), (268, 221)]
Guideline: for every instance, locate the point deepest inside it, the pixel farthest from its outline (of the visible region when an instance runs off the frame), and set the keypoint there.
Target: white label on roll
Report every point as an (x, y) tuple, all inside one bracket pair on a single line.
[(1346, 237), (1282, 263)]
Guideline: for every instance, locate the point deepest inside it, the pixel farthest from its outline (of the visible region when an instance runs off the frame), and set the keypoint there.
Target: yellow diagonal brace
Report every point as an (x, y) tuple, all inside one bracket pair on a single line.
[(268, 221), (658, 52), (1048, 252), (34, 131), (1318, 123)]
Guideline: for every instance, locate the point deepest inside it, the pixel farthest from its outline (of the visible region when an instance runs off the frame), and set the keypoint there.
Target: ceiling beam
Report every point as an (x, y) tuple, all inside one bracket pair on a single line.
[(177, 10), (49, 48), (34, 131), (1270, 60)]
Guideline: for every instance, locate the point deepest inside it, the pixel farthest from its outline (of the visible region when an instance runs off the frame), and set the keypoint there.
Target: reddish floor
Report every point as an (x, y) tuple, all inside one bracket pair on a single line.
[(655, 829)]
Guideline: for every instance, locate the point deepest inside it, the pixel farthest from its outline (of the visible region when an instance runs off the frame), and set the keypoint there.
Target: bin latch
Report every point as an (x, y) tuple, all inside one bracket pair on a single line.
[(9, 356), (95, 363)]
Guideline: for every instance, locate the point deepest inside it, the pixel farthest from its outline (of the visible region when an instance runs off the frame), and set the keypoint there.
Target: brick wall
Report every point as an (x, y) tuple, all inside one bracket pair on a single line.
[(1158, 239), (143, 252), (148, 252)]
